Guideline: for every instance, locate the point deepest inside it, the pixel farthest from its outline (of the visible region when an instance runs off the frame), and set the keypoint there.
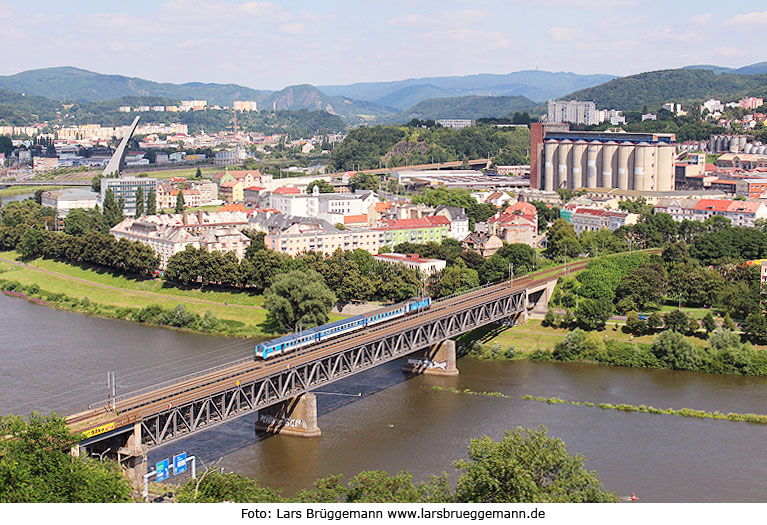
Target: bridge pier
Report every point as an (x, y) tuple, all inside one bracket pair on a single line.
[(294, 417), (438, 360), (132, 458)]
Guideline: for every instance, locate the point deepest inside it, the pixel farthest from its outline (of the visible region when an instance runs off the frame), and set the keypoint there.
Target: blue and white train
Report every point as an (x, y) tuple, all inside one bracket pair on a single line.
[(288, 343)]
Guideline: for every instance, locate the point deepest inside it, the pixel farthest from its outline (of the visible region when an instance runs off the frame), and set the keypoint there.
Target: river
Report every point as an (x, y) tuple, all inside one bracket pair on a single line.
[(57, 360)]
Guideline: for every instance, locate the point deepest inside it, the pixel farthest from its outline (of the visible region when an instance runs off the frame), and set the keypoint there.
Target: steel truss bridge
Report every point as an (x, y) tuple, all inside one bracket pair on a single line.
[(189, 405)]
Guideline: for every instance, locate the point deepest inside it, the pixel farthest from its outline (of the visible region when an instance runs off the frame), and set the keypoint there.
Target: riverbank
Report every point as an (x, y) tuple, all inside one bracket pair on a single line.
[(612, 346), (97, 292)]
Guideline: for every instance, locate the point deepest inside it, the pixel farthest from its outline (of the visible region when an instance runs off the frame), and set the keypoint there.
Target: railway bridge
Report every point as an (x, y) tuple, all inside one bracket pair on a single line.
[(280, 389)]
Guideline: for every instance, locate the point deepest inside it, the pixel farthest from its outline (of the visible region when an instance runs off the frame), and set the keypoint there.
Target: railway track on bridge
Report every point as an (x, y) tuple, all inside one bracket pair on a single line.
[(136, 407)]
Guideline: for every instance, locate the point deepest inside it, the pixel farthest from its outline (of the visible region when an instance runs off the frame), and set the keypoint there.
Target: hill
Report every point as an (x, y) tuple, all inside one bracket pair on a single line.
[(472, 107), (23, 110), (306, 96), (536, 85), (658, 87), (79, 85), (758, 68)]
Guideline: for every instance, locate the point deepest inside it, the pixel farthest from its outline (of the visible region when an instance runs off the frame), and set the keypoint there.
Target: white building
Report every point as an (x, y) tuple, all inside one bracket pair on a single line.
[(573, 111), (63, 201), (455, 123), (126, 187), (423, 265)]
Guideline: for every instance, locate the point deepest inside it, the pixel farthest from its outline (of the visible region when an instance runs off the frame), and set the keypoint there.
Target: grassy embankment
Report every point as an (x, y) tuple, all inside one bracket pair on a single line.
[(19, 190), (241, 313), (622, 407)]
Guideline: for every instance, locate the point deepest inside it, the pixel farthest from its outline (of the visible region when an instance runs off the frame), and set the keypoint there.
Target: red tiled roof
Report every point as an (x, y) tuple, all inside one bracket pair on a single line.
[(286, 190), (713, 205), (255, 188), (404, 224), (355, 219), (230, 184)]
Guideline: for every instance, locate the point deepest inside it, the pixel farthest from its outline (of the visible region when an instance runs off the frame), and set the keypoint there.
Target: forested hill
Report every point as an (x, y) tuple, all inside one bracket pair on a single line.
[(463, 107), (80, 85), (672, 85)]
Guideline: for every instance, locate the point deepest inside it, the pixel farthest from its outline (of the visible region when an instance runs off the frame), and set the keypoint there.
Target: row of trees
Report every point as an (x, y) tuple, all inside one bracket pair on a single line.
[(725, 353)]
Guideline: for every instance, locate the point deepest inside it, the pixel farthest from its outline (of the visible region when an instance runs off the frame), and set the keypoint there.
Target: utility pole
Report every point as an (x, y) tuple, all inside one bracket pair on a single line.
[(111, 390), (511, 274)]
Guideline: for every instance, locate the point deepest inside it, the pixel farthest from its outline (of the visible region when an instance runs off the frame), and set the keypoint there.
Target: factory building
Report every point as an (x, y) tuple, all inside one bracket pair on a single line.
[(601, 159)]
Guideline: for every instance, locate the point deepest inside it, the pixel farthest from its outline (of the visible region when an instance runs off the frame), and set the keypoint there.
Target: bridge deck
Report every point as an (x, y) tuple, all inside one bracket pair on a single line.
[(273, 375)]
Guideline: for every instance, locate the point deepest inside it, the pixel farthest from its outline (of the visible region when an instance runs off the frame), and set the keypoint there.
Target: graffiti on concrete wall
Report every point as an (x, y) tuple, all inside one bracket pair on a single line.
[(427, 363), (290, 422)]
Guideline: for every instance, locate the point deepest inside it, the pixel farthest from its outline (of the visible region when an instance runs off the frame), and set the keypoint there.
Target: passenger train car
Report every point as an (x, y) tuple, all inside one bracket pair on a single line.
[(288, 343)]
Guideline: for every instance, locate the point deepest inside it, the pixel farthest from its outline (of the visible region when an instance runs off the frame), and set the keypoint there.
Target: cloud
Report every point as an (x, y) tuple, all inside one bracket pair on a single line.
[(445, 19), (726, 51), (561, 34), (757, 19), (292, 29), (701, 19)]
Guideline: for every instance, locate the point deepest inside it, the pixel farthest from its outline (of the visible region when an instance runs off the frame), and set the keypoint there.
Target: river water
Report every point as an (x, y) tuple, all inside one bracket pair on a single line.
[(58, 360)]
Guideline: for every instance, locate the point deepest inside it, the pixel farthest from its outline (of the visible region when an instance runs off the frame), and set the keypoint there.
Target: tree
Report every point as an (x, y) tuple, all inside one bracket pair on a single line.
[(635, 325), (96, 183), (180, 202), (654, 321), (592, 314), (526, 466), (322, 185), (674, 351), (214, 486), (571, 346), (198, 174), (298, 297), (139, 202), (756, 327), (562, 241), (645, 286), (709, 323), (676, 321), (377, 486), (80, 222), (35, 465), (364, 181), (454, 279), (151, 202)]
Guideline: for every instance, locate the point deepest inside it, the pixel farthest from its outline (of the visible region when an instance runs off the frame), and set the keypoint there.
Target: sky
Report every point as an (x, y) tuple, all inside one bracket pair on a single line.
[(270, 45)]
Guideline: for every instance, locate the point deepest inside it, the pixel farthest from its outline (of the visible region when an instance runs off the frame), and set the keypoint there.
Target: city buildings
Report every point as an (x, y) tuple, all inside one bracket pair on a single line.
[(425, 266), (63, 201), (455, 123), (126, 188), (573, 112)]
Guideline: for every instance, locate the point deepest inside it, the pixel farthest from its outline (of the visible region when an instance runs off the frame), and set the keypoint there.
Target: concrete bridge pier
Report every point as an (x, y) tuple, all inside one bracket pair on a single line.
[(132, 458), (294, 417), (438, 360)]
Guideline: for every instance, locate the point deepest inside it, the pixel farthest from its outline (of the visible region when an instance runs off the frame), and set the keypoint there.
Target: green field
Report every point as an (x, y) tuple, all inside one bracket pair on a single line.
[(242, 311), (20, 190), (533, 335)]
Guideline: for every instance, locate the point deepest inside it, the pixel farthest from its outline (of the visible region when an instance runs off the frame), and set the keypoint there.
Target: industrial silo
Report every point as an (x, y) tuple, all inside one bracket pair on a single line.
[(548, 152), (609, 162), (624, 151), (561, 177), (665, 168), (591, 165), (579, 164)]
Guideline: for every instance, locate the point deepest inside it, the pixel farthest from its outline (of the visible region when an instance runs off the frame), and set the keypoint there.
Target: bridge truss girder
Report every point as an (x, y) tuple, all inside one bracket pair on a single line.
[(240, 399)]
